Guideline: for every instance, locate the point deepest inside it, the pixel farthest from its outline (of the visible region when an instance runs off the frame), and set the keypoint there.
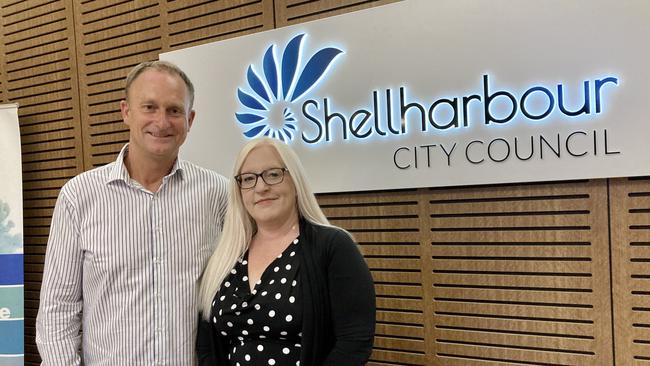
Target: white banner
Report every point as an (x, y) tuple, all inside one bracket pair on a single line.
[(11, 240), (435, 93)]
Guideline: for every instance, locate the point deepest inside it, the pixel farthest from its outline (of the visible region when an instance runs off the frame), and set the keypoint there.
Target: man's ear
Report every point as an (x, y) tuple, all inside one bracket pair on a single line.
[(124, 109), (190, 119)]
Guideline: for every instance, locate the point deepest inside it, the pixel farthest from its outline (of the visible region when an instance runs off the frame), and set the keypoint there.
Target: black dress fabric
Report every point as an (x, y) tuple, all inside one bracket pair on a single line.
[(262, 326)]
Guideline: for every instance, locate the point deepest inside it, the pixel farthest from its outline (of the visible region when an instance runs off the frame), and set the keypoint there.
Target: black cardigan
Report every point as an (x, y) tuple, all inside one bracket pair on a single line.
[(338, 297)]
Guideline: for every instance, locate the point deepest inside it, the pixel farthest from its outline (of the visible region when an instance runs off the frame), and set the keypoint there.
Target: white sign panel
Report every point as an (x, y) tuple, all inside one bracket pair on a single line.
[(435, 93)]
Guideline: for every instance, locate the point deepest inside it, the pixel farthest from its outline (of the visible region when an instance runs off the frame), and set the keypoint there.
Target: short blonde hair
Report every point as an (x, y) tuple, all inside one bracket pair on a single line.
[(165, 66), (239, 227)]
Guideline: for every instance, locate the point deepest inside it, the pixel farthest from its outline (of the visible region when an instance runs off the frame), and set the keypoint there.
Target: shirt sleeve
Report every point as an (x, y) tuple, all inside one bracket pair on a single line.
[(59, 315), (352, 297)]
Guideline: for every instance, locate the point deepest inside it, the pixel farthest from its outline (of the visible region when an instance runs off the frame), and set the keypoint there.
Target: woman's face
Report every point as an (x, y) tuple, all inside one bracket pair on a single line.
[(268, 204)]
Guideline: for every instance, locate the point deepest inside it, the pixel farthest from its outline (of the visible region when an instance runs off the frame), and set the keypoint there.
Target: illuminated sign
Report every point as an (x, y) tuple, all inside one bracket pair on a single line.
[(423, 93)]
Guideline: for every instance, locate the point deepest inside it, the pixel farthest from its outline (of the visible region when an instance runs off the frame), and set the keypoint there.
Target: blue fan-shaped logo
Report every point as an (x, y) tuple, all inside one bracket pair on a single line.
[(270, 97)]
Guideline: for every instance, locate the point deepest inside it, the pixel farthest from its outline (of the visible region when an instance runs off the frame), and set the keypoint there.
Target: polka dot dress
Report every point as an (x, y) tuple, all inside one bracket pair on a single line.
[(263, 326)]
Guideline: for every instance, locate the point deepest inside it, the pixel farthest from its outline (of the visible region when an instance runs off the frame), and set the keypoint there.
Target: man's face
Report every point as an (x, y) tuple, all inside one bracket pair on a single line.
[(157, 111)]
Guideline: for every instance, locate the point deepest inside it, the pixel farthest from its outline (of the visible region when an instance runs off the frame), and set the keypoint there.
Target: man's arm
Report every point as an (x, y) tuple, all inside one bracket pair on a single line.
[(59, 314)]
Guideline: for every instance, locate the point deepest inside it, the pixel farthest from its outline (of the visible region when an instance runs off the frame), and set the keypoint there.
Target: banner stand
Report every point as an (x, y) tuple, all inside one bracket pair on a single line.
[(12, 319)]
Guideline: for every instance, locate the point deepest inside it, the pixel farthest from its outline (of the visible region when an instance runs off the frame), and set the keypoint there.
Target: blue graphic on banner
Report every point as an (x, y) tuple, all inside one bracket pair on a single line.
[(11, 269), (12, 340)]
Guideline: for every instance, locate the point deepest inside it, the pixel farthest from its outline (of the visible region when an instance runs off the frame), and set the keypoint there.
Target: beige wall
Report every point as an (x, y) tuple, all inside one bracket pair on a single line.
[(527, 274)]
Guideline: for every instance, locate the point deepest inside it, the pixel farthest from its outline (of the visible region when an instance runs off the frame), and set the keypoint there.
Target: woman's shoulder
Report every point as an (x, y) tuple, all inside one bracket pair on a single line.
[(331, 236)]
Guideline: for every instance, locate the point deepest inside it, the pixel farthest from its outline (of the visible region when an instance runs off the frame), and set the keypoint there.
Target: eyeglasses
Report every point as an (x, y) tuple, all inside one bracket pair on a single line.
[(269, 176)]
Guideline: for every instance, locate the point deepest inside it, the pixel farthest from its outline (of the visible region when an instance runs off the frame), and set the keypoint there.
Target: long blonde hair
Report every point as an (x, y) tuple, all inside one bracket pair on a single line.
[(239, 227)]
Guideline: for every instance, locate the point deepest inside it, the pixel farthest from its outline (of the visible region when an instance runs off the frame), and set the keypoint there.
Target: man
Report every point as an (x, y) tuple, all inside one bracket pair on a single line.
[(129, 240)]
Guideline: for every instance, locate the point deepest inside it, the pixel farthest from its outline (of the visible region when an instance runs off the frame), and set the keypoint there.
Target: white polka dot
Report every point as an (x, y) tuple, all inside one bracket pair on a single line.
[(234, 271), (272, 313), (285, 350), (288, 318), (222, 297), (244, 304), (247, 357), (229, 324), (278, 296), (241, 339), (227, 284), (244, 262), (244, 332), (271, 361), (262, 336), (264, 293), (237, 364), (214, 302), (292, 254), (245, 278), (220, 311), (266, 328), (276, 269), (258, 281), (214, 319), (294, 283), (297, 363), (280, 256), (292, 299), (271, 282), (237, 313), (283, 280), (233, 306), (283, 333), (260, 348), (254, 292), (250, 321), (295, 241), (288, 267), (223, 333), (257, 307)]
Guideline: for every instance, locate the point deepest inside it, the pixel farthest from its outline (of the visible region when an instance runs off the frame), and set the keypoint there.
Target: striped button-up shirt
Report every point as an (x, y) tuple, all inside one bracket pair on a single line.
[(123, 265)]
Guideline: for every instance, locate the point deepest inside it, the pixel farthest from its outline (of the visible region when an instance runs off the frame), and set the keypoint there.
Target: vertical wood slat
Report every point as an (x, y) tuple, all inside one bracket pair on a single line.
[(630, 205), (39, 72)]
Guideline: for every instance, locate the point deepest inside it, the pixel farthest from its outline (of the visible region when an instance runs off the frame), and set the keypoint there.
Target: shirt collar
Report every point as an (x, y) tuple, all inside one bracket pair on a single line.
[(119, 171)]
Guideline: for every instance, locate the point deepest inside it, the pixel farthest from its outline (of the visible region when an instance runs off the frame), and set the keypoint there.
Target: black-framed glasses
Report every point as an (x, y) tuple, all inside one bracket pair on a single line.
[(270, 176)]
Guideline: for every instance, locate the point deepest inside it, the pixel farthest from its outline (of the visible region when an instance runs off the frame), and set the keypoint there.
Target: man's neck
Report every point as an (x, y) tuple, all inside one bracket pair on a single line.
[(146, 171)]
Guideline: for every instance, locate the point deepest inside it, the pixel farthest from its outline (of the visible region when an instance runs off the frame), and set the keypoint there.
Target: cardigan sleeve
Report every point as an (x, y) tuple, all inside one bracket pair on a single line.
[(205, 349), (352, 301)]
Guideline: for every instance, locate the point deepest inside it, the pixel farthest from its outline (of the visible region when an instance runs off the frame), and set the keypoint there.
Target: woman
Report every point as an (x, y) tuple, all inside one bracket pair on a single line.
[(283, 287)]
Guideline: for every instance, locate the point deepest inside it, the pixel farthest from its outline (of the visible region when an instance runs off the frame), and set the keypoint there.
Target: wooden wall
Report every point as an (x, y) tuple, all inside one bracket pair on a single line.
[(527, 274)]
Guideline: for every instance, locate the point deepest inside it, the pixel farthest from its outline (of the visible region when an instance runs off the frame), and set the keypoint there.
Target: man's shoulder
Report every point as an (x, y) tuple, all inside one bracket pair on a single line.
[(196, 172), (88, 179)]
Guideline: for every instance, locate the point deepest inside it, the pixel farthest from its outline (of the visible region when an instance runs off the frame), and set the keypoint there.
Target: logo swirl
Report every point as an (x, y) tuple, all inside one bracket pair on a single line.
[(268, 101)]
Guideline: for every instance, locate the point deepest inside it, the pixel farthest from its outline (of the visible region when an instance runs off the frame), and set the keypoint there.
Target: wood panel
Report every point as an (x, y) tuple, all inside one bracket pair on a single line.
[(520, 275), (510, 274), (288, 12), (40, 73), (630, 202)]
